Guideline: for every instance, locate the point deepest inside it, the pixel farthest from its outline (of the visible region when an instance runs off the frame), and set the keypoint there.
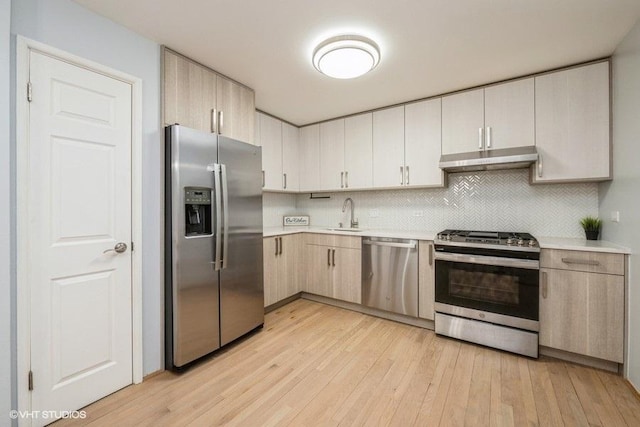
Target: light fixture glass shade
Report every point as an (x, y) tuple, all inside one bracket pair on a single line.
[(346, 57)]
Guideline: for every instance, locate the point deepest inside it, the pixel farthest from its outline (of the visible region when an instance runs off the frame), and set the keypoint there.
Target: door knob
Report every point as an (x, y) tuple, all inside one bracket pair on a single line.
[(119, 248)]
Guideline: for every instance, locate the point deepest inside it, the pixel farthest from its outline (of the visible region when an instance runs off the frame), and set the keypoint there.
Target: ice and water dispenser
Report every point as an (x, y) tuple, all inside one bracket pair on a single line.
[(197, 211)]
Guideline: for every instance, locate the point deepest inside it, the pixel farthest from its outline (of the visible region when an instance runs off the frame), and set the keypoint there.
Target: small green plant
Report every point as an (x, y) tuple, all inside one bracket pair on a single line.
[(590, 223)]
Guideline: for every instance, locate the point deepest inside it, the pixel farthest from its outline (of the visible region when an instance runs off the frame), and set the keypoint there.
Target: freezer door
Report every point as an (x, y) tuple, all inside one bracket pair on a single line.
[(241, 276), (192, 290)]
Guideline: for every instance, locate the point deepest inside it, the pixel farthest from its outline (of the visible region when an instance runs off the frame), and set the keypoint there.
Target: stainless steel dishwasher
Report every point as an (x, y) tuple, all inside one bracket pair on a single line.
[(390, 274)]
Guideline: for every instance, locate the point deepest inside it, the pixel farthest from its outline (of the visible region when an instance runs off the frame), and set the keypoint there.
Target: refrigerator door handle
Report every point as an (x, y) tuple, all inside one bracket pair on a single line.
[(225, 218), (218, 217)]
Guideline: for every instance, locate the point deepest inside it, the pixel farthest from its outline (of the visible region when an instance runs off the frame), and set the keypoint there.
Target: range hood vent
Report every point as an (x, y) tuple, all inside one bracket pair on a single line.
[(505, 158)]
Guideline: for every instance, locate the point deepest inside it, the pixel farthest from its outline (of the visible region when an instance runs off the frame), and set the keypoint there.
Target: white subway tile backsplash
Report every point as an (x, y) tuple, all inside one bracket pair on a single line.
[(493, 200)]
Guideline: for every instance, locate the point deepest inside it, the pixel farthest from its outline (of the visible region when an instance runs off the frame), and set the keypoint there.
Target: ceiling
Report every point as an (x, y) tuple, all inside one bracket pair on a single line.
[(428, 47)]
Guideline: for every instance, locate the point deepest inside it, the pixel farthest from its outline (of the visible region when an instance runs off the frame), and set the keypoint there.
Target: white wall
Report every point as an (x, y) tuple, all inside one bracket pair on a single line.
[(70, 27), (622, 194), (5, 215)]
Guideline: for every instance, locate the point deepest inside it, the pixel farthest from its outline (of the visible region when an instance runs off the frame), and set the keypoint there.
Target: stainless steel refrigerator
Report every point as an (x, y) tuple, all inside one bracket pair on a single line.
[(213, 243)]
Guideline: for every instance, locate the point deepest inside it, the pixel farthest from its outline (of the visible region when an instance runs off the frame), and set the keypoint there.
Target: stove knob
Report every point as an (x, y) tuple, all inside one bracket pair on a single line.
[(532, 243), (510, 241), (521, 242), (448, 236), (439, 236)]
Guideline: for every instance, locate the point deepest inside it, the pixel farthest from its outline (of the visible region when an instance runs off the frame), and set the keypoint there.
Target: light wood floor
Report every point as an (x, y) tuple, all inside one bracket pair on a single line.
[(316, 365)]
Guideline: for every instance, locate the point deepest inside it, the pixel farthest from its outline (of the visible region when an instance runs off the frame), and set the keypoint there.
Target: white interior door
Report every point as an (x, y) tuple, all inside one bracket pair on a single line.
[(79, 206)]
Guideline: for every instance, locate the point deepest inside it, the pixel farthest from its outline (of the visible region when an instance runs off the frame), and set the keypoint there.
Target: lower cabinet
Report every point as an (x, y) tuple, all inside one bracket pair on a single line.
[(282, 260), (333, 267), (426, 281), (582, 312)]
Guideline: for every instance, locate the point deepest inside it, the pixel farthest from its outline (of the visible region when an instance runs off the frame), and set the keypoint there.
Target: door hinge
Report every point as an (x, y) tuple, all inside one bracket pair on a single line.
[(29, 92), (132, 247), (30, 380)]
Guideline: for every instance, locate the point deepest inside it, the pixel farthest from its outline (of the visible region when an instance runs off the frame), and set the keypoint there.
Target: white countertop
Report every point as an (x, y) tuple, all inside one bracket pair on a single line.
[(570, 244)]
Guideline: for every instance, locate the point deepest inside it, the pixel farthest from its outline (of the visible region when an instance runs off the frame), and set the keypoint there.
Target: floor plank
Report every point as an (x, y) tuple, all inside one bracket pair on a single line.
[(317, 365)]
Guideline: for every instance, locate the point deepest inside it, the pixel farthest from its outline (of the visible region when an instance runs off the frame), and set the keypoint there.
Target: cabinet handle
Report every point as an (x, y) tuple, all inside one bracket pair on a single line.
[(407, 170), (276, 239), (488, 136), (333, 257), (284, 180), (430, 254), (401, 175), (329, 257), (280, 253), (214, 120), (341, 179), (539, 165), (580, 261), (262, 179), (544, 285), (480, 138), (346, 179), (220, 121)]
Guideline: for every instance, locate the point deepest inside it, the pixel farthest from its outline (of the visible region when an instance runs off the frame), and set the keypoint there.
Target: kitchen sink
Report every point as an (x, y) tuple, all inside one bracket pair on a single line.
[(351, 230)]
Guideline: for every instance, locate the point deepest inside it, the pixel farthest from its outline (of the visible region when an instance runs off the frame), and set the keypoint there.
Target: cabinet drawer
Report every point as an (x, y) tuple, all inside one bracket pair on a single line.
[(591, 262), (351, 242)]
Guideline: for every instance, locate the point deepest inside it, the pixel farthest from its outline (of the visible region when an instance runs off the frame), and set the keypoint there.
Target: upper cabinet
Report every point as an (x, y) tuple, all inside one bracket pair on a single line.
[(499, 116), (332, 155), (309, 158), (279, 142), (422, 148), (358, 151), (199, 98), (388, 147), (573, 125)]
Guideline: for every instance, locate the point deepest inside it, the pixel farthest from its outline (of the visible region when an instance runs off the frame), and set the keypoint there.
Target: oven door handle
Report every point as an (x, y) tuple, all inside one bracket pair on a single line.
[(529, 264)]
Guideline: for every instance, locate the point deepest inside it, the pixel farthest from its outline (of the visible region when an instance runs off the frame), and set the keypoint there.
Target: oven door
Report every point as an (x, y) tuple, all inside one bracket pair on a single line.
[(491, 284)]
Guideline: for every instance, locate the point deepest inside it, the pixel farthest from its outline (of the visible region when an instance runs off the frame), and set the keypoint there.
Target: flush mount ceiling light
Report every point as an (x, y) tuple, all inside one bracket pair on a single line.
[(346, 57)]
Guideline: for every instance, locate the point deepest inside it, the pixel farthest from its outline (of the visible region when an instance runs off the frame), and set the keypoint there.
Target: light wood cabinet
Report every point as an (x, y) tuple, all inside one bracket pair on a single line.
[(573, 125), (426, 281), (309, 156), (388, 147), (332, 155), (282, 259), (334, 271), (422, 143), (197, 97), (582, 312), (495, 117), (358, 151), (290, 163)]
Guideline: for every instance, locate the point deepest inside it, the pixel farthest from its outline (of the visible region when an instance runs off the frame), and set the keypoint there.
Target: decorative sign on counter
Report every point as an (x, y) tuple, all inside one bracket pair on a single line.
[(296, 220)]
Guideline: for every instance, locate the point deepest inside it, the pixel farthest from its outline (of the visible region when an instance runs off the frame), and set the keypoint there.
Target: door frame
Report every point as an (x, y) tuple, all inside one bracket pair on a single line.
[(23, 292)]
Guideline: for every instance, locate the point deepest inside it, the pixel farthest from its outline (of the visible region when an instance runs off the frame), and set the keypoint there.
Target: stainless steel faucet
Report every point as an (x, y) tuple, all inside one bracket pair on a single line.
[(354, 223)]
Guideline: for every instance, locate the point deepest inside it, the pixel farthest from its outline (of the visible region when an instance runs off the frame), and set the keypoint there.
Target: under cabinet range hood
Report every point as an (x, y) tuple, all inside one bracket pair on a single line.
[(504, 158)]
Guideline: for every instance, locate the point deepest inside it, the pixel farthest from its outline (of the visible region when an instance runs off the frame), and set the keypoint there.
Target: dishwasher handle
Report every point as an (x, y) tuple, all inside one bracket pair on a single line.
[(411, 245)]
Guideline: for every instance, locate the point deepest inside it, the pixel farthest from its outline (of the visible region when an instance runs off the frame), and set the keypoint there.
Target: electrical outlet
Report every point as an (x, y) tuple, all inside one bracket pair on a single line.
[(373, 213), (418, 213), (615, 216)]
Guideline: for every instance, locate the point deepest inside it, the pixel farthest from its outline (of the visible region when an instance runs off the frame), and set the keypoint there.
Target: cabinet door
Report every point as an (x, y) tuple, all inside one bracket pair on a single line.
[(237, 106), (462, 120), (290, 162), (346, 275), (310, 158), (290, 261), (318, 270), (388, 147), (358, 151), (582, 313), (426, 281), (509, 116), (271, 266), (271, 142), (189, 93), (422, 143), (572, 124), (332, 155)]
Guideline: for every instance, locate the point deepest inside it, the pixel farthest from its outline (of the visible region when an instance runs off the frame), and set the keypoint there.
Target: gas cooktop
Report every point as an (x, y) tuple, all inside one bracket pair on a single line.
[(489, 238)]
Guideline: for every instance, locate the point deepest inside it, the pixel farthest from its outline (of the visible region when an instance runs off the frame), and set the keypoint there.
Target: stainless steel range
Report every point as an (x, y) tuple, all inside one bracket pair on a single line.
[(487, 288)]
